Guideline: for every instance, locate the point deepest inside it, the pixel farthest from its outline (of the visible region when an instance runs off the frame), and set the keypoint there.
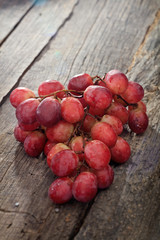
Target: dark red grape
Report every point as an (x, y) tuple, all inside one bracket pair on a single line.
[(26, 111), (121, 152), (82, 101), (85, 187), (96, 111), (29, 127), (80, 82), (138, 121), (60, 190), (34, 143), (48, 112), (48, 146), (64, 162)]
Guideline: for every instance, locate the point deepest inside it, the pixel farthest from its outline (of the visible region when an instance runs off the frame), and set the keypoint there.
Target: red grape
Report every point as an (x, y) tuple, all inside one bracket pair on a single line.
[(19, 95), (48, 112), (85, 187), (105, 177), (98, 97), (20, 135), (64, 162), (72, 110), (138, 121), (116, 81), (82, 101), (121, 152), (34, 143), (118, 110), (51, 86), (29, 127), (26, 111), (77, 145), (114, 122), (104, 132), (134, 93), (80, 82), (96, 111), (88, 123), (55, 149), (60, 132), (139, 106), (48, 146), (97, 154), (60, 190)]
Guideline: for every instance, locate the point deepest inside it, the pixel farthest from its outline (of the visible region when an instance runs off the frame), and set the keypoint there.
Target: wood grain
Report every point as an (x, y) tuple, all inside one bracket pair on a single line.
[(11, 14), (29, 38), (132, 204), (107, 35)]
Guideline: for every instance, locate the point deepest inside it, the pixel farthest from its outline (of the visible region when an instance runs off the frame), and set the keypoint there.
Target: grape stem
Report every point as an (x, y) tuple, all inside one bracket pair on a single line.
[(96, 77), (75, 131), (95, 117), (99, 79), (128, 104), (59, 91)]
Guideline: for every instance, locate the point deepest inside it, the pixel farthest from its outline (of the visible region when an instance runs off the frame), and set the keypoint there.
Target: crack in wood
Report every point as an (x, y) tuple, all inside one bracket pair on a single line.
[(40, 54), (45, 220), (77, 226), (90, 29), (147, 34), (6, 172), (23, 212), (10, 150), (17, 24)]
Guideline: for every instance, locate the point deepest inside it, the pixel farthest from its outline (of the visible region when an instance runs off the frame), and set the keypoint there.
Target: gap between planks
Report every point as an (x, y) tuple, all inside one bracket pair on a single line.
[(17, 24), (41, 53), (90, 29), (147, 34)]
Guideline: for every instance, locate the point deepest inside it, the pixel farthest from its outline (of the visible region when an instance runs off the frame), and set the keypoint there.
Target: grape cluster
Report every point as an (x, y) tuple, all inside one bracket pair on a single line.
[(79, 128)]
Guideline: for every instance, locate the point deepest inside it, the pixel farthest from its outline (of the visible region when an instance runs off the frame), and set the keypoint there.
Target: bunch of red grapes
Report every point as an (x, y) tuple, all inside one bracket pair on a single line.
[(79, 128)]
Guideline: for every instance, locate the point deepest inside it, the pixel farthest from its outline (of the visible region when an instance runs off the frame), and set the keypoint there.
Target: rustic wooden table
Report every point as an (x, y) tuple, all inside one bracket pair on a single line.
[(57, 39)]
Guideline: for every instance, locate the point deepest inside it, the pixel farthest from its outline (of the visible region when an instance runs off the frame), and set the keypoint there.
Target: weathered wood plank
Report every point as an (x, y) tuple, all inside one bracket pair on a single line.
[(25, 180), (131, 209), (11, 13), (66, 216), (29, 38)]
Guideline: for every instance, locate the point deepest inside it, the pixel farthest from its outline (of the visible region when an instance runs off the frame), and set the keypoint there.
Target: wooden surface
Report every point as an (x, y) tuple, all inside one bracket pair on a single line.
[(55, 40)]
